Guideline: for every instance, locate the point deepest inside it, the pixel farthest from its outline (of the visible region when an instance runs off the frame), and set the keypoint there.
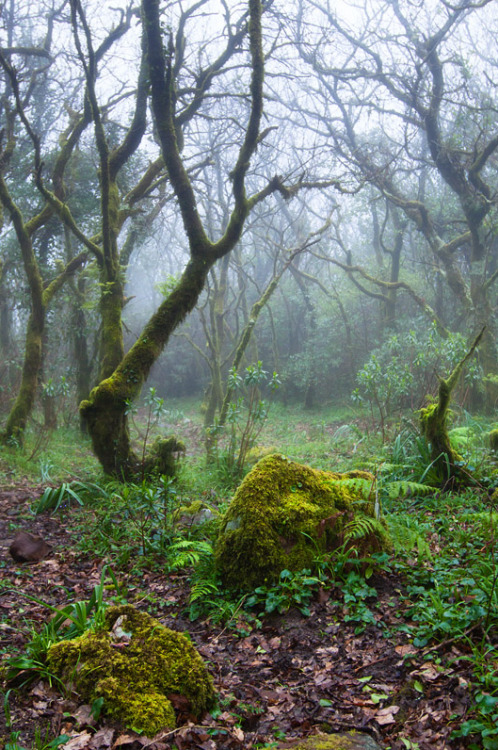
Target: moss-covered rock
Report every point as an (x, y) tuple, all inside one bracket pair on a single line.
[(341, 741), (283, 512), (136, 665)]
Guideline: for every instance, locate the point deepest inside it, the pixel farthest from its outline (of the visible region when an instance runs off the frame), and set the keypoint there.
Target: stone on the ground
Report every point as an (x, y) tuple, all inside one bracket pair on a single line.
[(284, 513), (28, 547), (140, 668), (340, 741)]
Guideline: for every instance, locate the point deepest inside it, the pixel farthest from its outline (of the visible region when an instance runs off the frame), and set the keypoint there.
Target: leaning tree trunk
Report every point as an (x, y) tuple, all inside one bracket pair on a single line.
[(433, 422), (105, 409)]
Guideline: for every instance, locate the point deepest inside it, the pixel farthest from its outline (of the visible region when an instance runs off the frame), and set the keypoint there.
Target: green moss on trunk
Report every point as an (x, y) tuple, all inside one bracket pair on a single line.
[(493, 440), (433, 421), (105, 409), (23, 405)]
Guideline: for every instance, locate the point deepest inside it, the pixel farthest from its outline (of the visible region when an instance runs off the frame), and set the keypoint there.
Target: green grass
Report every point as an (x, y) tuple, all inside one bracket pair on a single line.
[(446, 544), (48, 457)]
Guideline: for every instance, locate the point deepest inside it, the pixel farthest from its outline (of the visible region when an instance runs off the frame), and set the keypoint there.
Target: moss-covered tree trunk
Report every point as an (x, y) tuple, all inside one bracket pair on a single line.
[(433, 421), (105, 409), (23, 405), (40, 299), (9, 366)]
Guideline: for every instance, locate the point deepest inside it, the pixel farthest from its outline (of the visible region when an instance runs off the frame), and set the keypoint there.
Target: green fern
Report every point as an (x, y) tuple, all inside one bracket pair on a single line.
[(202, 589), (357, 484), (390, 488), (361, 527), (409, 535), (407, 488), (189, 553)]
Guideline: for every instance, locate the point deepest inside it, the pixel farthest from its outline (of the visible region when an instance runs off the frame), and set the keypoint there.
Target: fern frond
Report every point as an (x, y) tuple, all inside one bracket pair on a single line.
[(409, 535), (360, 527), (407, 488), (357, 484), (187, 553), (202, 589)]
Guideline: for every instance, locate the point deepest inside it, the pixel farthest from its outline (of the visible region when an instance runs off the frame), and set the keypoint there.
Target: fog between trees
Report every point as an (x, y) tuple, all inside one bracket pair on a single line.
[(189, 186)]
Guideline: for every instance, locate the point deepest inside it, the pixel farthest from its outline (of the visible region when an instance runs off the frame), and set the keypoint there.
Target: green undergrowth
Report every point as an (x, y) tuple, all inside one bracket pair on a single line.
[(48, 456), (445, 537)]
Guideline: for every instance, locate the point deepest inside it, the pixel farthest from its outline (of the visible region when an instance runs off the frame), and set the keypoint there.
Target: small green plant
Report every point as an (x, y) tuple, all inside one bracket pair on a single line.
[(155, 411), (484, 726), (66, 623), (206, 598), (41, 741), (69, 493), (131, 518), (400, 373), (245, 419), (294, 589), (355, 592)]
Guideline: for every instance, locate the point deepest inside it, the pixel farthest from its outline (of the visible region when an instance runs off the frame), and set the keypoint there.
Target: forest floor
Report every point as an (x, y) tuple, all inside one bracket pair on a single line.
[(287, 679)]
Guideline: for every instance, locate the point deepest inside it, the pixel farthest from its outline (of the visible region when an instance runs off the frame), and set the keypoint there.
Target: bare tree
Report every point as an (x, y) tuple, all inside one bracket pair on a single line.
[(407, 113)]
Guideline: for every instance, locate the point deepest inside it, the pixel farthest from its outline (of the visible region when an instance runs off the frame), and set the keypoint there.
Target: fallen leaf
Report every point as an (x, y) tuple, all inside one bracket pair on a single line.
[(124, 739), (386, 715), (238, 734), (84, 716), (102, 739), (78, 742), (405, 650)]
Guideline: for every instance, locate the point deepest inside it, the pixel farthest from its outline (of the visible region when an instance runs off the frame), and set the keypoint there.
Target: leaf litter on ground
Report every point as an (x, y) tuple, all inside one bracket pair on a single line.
[(282, 681)]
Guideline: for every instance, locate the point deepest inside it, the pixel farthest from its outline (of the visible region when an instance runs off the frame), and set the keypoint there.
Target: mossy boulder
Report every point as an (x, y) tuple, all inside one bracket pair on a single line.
[(341, 741), (137, 666), (284, 512)]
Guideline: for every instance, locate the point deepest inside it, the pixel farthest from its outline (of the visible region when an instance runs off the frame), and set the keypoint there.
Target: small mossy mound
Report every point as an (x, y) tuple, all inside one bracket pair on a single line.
[(493, 440), (135, 664), (343, 741), (283, 512), (163, 456)]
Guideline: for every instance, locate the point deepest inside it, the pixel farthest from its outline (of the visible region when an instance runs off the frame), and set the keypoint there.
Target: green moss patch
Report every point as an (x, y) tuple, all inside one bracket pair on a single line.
[(342, 741), (136, 665), (283, 513), (493, 440)]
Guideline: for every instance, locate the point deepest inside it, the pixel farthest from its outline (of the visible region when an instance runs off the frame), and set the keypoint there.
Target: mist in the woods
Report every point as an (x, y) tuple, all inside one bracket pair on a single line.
[(249, 339)]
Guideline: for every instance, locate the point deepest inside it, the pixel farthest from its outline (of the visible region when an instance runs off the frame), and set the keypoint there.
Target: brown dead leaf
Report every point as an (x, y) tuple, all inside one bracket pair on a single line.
[(238, 734), (386, 715), (102, 739), (80, 741), (84, 716), (405, 650), (125, 739)]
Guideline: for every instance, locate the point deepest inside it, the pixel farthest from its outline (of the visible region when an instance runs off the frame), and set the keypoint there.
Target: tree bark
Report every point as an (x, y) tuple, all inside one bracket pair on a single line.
[(105, 409), (433, 422)]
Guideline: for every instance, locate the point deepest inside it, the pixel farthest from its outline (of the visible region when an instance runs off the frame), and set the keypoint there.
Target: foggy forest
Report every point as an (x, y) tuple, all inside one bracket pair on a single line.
[(249, 374)]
